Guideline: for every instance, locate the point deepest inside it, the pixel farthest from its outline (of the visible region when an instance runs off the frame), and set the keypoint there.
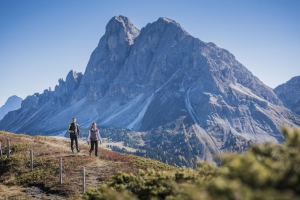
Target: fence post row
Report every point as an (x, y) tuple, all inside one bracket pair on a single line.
[(60, 170), (60, 165)]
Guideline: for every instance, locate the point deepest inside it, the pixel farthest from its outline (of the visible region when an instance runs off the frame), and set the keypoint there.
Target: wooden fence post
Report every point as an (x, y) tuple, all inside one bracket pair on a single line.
[(31, 160), (83, 180), (8, 147), (0, 150), (60, 170)]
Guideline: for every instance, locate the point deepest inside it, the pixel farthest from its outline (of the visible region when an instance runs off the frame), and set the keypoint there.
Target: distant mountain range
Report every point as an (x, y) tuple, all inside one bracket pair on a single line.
[(289, 93), (184, 97), (12, 103)]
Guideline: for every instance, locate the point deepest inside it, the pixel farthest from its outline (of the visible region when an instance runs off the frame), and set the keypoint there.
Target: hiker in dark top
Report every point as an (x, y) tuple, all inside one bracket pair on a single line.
[(74, 134), (94, 137)]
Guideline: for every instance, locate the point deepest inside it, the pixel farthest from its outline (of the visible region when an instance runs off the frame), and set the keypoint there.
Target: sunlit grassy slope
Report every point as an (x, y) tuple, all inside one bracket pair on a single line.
[(15, 170)]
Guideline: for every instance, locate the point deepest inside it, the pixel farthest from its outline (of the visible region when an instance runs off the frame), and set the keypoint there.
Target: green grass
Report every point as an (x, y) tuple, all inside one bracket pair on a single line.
[(146, 163), (21, 146)]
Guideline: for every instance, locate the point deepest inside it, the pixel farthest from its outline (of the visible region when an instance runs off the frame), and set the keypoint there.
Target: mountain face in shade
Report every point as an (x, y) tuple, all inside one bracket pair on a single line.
[(161, 81), (12, 103), (289, 93)]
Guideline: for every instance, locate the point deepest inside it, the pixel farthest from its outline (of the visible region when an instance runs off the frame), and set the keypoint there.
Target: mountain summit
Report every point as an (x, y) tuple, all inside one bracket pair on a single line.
[(12, 103), (176, 89)]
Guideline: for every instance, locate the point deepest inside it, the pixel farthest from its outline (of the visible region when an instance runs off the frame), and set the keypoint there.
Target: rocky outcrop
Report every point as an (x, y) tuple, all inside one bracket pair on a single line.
[(161, 80), (289, 93), (107, 59)]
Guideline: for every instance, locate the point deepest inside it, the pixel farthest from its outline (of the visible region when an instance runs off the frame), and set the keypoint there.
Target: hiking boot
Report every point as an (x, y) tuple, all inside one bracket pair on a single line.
[(78, 151), (90, 153), (72, 151)]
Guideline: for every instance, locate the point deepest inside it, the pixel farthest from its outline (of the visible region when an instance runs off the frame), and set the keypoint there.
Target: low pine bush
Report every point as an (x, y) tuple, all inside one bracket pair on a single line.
[(265, 171)]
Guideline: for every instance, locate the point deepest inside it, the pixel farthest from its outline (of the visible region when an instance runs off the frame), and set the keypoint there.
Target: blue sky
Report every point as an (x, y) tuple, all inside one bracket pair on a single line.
[(42, 40)]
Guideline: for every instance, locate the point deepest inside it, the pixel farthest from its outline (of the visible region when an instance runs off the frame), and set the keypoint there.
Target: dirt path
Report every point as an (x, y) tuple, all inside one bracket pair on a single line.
[(47, 151)]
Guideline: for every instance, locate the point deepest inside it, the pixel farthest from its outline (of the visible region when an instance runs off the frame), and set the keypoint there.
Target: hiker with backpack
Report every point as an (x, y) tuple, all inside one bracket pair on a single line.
[(74, 131), (93, 138)]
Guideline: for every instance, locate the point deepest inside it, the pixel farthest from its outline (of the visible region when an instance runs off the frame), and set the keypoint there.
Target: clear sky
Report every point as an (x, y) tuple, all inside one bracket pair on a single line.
[(42, 40)]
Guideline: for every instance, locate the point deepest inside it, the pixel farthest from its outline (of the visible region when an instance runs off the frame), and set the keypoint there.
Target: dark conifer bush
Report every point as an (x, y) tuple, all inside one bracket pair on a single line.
[(265, 171)]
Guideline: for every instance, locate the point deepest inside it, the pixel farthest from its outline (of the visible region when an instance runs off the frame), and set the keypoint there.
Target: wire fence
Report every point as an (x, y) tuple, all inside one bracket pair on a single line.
[(31, 153)]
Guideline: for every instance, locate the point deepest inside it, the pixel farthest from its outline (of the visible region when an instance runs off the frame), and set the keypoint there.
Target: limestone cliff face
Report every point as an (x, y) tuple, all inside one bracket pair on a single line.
[(160, 79), (289, 93), (107, 59)]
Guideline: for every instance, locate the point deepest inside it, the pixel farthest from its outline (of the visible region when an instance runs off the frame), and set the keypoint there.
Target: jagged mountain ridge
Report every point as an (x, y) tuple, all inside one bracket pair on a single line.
[(38, 108), (289, 93), (12, 103), (160, 79)]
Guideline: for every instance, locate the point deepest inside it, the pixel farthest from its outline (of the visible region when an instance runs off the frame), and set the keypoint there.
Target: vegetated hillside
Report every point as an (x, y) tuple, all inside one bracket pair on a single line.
[(269, 171), (16, 179), (164, 145)]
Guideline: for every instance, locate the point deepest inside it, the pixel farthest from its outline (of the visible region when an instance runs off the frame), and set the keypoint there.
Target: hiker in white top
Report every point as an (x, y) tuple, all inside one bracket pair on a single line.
[(94, 137)]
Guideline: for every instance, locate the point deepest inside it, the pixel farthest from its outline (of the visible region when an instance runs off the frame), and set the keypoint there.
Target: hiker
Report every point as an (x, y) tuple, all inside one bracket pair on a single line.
[(94, 137), (74, 134)]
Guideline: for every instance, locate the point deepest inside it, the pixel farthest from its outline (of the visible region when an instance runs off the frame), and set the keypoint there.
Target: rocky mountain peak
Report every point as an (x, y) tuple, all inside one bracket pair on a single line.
[(163, 24), (72, 81), (73, 75), (108, 58), (13, 99), (167, 21), (12, 103), (122, 28), (295, 80)]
